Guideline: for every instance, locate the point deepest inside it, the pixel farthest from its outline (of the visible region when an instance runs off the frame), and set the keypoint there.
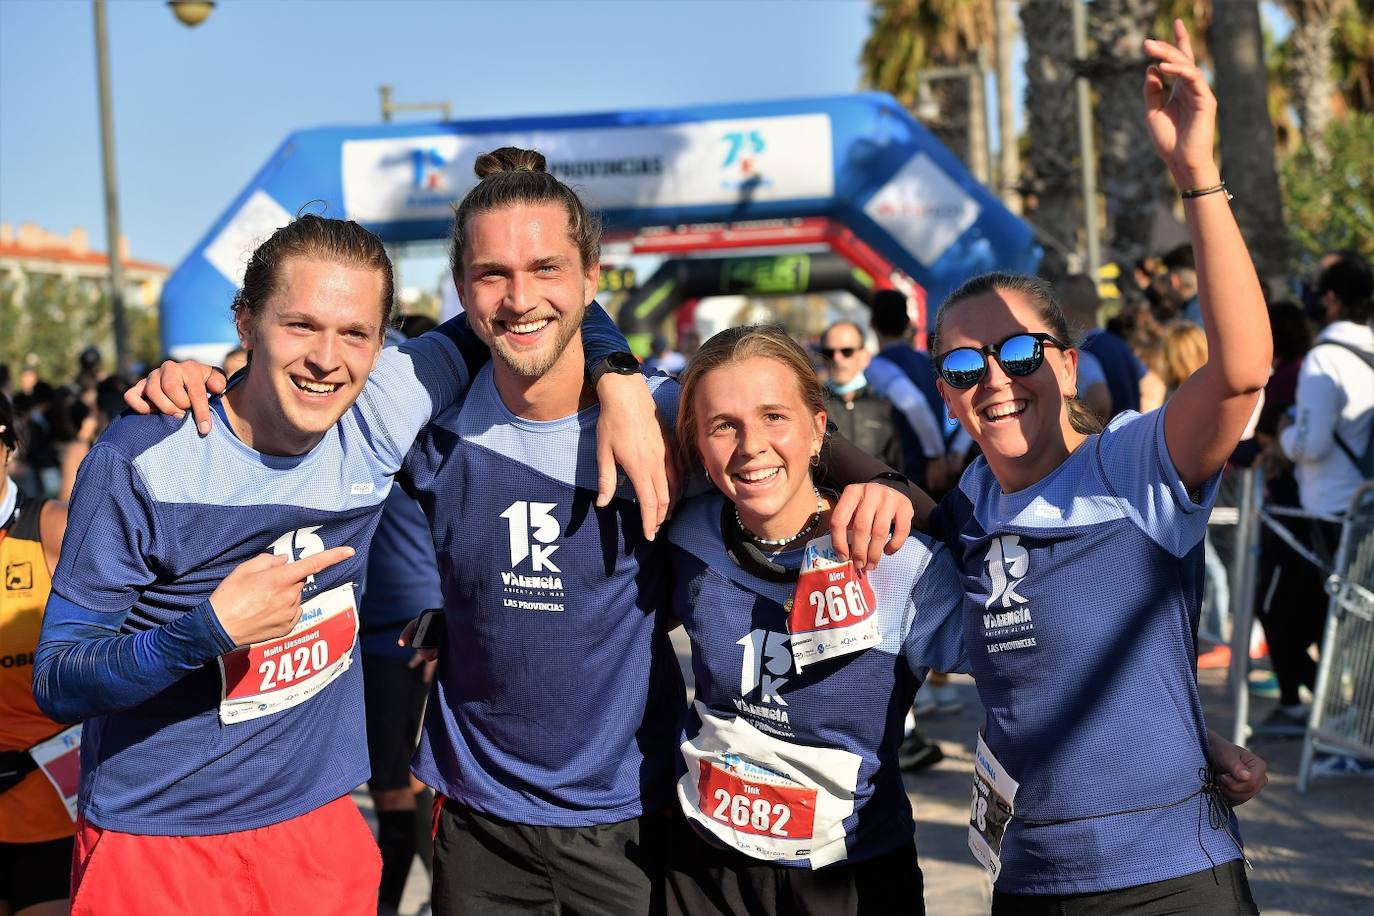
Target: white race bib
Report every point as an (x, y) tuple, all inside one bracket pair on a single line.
[(764, 797), (60, 760), (268, 677), (833, 608), (993, 793)]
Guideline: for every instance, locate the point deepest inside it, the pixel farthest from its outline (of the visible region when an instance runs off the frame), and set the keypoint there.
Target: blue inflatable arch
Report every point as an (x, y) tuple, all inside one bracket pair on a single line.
[(860, 160)]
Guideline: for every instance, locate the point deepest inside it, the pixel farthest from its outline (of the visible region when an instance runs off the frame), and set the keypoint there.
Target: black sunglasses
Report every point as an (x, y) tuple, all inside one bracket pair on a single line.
[(846, 352), (1019, 354)]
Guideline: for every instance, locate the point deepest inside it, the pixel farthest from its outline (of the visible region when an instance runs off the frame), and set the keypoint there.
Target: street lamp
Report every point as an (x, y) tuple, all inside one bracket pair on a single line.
[(389, 107), (1086, 155), (192, 13)]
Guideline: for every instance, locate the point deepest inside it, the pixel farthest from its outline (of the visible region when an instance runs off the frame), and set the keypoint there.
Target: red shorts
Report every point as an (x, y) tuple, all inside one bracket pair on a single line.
[(324, 862)]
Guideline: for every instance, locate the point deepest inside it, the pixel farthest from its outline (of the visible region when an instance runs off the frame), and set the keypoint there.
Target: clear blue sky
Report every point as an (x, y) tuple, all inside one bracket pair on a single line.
[(198, 111)]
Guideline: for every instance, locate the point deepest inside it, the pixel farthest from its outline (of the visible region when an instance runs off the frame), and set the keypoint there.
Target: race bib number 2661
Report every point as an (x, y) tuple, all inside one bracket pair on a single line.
[(271, 676), (832, 612)]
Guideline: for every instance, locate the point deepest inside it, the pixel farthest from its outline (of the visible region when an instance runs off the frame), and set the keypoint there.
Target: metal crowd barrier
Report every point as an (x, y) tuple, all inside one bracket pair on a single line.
[(1342, 719), (1244, 576)]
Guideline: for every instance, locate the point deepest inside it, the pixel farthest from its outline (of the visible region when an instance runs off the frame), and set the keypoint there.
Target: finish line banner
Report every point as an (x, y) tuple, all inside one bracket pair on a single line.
[(622, 168)]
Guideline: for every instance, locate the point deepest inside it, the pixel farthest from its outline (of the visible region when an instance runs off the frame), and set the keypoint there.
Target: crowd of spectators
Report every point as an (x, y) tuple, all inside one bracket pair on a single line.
[(61, 420)]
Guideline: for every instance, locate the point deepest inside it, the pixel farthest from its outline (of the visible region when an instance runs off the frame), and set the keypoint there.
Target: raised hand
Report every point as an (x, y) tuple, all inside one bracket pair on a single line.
[(1182, 118), (261, 598)]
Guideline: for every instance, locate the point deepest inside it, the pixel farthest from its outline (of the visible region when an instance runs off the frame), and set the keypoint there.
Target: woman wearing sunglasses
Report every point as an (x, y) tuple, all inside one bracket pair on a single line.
[(1081, 555)]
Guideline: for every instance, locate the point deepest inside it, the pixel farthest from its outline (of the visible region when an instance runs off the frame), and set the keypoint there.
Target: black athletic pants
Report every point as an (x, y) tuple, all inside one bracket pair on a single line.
[(705, 879), (1291, 602), (1220, 891), (485, 866)]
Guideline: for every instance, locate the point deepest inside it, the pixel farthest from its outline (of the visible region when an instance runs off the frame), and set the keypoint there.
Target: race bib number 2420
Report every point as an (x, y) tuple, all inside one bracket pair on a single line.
[(271, 676)]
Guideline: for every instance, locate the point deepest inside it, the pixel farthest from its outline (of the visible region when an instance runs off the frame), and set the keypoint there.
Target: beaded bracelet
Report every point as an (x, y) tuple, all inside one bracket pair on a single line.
[(1202, 192)]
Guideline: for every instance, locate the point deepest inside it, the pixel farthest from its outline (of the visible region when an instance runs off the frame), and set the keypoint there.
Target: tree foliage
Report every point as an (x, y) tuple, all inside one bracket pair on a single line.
[(49, 320), (1330, 205), (1354, 53)]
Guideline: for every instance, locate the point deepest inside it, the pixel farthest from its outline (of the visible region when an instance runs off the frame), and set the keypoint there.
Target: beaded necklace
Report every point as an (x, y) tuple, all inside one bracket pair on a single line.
[(783, 542)]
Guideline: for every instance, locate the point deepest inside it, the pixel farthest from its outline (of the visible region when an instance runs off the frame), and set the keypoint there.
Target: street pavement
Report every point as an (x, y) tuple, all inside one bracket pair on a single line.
[(1312, 854)]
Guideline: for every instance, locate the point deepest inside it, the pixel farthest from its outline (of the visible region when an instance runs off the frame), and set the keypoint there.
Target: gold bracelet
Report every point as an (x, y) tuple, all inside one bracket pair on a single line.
[(1202, 192)]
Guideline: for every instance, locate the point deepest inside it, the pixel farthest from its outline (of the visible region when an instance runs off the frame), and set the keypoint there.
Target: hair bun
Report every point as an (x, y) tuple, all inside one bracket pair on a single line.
[(509, 159)]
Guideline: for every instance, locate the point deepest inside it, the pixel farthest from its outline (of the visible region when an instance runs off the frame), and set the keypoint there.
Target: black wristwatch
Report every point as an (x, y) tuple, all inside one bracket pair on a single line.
[(621, 363)]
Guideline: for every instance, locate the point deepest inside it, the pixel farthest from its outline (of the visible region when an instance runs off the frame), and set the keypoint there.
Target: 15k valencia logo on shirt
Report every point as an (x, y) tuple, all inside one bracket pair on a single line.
[(534, 582), (1008, 611)]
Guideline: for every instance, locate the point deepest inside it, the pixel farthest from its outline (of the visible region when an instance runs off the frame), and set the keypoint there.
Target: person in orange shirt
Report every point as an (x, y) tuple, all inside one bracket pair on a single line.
[(35, 825)]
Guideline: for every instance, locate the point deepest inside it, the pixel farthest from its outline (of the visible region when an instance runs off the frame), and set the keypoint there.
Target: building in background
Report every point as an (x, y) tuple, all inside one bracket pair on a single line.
[(31, 251)]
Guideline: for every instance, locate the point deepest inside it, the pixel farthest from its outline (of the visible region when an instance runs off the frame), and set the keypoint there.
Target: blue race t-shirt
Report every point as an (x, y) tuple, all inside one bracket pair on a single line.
[(1081, 616), (402, 578), (831, 731), (558, 697), (158, 518)]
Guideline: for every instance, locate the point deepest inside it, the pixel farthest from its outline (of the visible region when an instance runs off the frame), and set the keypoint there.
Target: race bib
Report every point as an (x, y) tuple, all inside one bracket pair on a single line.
[(60, 760), (993, 793), (271, 676), (750, 798), (832, 609), (764, 797)]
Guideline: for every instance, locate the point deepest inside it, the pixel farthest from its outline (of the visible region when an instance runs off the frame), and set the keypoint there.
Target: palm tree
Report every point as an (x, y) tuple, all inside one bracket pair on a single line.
[(1133, 181), (1355, 55), (1247, 135), (1311, 71), (907, 36), (1052, 186), (1009, 154)]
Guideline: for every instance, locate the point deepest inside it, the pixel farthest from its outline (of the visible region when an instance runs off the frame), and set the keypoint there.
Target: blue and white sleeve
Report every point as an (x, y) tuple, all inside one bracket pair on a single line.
[(1135, 463), (85, 664), (935, 641), (414, 381)]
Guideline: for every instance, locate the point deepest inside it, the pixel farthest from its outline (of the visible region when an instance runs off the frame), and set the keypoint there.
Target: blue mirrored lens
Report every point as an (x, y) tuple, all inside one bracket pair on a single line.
[(962, 368), (1020, 355)]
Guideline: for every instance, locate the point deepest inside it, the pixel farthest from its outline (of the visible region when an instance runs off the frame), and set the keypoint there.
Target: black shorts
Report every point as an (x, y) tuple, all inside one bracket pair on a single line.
[(707, 878), (1220, 891), (394, 700), (35, 872), (488, 866)]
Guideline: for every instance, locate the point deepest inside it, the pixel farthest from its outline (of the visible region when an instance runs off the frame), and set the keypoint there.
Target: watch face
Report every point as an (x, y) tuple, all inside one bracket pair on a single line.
[(622, 364)]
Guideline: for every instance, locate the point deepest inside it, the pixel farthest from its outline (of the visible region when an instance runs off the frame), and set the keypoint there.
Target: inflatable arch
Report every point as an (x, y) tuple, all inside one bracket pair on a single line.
[(857, 162)]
